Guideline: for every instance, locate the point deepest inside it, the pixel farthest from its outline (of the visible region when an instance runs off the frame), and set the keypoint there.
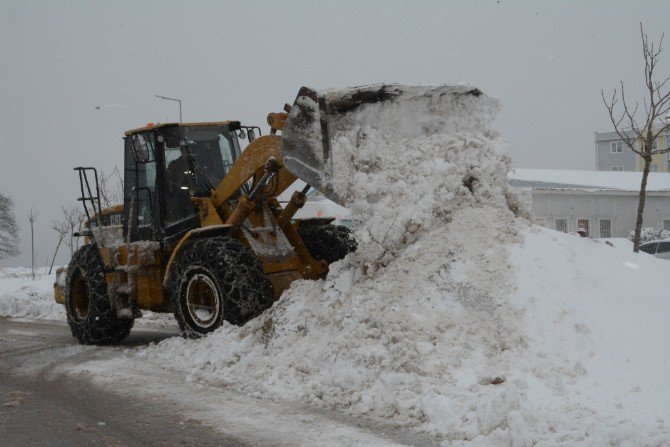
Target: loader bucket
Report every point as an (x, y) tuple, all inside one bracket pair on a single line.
[(307, 142)]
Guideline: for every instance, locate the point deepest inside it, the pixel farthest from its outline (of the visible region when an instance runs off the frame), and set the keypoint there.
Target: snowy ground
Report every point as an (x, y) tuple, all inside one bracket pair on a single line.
[(23, 297), (578, 342), (455, 317), (589, 365)]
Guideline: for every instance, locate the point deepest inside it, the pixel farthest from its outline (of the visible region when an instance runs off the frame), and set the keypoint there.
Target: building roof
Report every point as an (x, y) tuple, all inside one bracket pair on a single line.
[(587, 180), (611, 136)]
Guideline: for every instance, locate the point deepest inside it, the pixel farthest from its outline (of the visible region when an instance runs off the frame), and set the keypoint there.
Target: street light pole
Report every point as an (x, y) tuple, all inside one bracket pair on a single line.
[(172, 99)]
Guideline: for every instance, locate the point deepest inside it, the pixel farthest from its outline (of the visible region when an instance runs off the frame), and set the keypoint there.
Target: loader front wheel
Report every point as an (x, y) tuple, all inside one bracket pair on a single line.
[(327, 242), (89, 315), (217, 279)]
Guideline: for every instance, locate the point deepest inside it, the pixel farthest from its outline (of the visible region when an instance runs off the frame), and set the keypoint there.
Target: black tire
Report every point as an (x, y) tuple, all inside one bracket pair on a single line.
[(327, 242), (87, 305), (218, 279)]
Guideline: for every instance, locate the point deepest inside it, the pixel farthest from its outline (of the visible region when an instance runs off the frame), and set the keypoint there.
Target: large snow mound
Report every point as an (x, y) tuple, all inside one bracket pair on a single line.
[(403, 168), (579, 344), (596, 317), (454, 316)]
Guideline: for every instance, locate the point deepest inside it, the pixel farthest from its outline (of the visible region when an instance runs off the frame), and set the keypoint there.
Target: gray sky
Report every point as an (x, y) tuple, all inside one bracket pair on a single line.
[(546, 61)]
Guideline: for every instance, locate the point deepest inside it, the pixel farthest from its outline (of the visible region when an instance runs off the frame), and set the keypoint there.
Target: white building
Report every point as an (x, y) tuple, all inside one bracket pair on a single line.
[(605, 203)]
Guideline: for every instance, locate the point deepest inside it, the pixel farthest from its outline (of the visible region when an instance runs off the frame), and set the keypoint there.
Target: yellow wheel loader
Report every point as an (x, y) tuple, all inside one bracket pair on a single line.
[(201, 232)]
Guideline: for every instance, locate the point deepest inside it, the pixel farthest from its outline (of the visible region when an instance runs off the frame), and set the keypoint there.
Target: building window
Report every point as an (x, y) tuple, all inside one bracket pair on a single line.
[(616, 146), (666, 224), (654, 144), (605, 228), (617, 168), (583, 223), (561, 225), (653, 167)]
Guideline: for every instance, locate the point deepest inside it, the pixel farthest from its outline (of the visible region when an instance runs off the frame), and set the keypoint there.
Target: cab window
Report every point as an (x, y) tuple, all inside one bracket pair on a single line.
[(212, 152)]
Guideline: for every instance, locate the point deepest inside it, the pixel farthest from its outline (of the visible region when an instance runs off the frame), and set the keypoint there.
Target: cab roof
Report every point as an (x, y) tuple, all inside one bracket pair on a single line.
[(233, 124)]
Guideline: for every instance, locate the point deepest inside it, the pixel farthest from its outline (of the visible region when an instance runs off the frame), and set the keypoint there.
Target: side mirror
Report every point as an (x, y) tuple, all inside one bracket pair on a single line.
[(140, 148)]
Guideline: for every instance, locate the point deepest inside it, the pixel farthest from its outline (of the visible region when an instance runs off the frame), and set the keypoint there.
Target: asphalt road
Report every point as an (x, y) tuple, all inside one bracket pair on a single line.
[(41, 407), (55, 392)]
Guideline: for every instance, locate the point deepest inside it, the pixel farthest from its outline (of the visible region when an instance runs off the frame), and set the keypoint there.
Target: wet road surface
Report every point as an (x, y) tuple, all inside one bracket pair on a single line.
[(55, 392), (40, 407)]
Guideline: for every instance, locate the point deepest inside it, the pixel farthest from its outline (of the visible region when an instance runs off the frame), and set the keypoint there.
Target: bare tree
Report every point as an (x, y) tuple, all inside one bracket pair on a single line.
[(654, 120), (73, 218), (62, 229), (71, 221), (32, 217), (8, 229), (111, 188)]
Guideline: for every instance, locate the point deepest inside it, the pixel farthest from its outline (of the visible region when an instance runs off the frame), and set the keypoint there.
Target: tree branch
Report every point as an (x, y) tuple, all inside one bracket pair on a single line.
[(617, 122)]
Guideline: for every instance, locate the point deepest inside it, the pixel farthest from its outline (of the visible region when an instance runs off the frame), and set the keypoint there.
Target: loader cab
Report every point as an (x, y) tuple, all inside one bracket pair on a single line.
[(165, 165)]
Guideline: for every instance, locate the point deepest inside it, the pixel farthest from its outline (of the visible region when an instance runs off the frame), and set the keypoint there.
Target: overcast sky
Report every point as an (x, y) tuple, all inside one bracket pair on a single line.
[(546, 61)]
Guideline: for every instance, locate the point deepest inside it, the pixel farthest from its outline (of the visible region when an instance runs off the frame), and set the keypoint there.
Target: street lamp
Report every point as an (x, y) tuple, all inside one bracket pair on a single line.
[(172, 99)]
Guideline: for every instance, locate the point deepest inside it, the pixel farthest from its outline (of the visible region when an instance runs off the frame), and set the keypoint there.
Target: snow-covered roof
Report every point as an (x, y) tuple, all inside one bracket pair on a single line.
[(587, 180)]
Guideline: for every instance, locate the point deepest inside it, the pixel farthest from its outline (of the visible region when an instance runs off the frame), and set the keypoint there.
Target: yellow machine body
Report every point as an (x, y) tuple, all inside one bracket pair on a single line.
[(261, 224), (216, 243)]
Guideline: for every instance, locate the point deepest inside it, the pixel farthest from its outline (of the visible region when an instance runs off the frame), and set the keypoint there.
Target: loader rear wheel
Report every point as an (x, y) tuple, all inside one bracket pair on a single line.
[(217, 279), (89, 315), (327, 242)]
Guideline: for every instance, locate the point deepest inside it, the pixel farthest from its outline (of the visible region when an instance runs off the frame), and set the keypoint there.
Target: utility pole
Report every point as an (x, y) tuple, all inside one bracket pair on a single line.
[(32, 218)]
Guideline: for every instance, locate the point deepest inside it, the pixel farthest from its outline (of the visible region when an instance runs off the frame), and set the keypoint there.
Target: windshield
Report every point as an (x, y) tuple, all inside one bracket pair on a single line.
[(212, 149)]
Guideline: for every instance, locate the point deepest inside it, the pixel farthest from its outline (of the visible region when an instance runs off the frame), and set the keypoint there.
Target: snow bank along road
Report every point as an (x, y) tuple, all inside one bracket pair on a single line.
[(54, 392)]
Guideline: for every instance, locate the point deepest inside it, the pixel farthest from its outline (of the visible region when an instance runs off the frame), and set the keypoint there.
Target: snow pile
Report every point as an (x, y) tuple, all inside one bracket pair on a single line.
[(23, 297), (403, 168), (596, 317), (442, 320), (420, 300)]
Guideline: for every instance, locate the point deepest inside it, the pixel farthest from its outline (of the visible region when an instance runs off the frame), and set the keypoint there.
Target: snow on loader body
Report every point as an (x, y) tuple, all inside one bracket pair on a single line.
[(201, 233)]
